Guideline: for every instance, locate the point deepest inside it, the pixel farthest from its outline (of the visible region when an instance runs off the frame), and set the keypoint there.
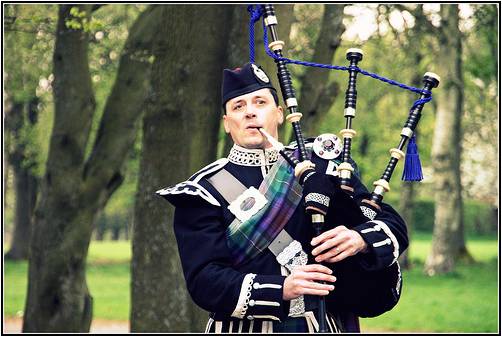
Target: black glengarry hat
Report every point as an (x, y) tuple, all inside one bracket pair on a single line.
[(240, 81)]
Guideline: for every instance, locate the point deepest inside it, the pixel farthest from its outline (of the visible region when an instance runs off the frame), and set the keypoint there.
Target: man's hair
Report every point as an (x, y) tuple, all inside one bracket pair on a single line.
[(274, 95)]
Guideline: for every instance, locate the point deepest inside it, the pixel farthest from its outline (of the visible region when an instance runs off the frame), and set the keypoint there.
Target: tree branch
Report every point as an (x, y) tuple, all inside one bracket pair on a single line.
[(123, 107)]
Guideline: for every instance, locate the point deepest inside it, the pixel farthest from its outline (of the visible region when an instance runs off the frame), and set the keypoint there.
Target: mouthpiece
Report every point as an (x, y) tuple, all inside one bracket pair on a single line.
[(275, 143)]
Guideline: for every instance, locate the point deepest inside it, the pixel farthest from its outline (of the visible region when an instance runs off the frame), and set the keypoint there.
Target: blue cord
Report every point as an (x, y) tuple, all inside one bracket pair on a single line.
[(270, 53), (255, 14)]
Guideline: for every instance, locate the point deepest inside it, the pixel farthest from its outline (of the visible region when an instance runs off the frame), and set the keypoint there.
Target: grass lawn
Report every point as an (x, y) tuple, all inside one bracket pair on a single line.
[(108, 276), (463, 301)]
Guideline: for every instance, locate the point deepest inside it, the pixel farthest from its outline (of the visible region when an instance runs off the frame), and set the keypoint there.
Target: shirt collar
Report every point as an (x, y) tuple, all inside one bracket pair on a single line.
[(252, 157)]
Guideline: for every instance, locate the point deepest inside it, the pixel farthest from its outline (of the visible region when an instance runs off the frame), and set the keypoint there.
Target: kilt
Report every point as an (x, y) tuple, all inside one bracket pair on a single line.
[(302, 324)]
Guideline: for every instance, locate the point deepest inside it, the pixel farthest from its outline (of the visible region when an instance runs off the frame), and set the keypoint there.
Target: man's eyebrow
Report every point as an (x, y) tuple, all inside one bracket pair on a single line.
[(237, 101)]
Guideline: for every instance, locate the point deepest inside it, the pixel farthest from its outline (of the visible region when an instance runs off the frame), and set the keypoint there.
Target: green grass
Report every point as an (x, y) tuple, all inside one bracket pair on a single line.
[(108, 279), (463, 301), (109, 252)]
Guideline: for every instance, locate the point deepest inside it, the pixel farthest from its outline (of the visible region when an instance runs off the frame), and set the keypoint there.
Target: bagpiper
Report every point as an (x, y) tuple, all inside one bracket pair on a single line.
[(247, 246)]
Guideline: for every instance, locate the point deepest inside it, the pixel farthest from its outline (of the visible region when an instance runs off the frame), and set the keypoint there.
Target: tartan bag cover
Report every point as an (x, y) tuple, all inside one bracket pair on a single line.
[(283, 193)]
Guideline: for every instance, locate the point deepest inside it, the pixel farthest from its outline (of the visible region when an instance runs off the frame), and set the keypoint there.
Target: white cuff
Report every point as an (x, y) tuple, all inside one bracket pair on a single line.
[(382, 225), (245, 294)]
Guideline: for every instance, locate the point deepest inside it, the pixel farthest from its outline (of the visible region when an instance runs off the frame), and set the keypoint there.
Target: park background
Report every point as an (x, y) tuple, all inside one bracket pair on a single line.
[(105, 104)]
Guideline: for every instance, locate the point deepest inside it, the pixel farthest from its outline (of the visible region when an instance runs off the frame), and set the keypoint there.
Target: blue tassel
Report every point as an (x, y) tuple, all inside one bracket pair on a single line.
[(412, 167)]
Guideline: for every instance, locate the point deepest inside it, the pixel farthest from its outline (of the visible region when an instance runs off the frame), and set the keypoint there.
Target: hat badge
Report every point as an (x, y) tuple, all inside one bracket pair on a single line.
[(260, 74)]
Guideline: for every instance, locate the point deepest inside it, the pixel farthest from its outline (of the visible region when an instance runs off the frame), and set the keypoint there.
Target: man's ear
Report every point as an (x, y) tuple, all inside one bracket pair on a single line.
[(280, 115), (225, 124)]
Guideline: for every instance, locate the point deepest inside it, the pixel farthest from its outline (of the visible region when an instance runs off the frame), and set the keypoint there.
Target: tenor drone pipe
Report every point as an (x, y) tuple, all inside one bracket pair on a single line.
[(353, 55), (431, 80), (288, 92)]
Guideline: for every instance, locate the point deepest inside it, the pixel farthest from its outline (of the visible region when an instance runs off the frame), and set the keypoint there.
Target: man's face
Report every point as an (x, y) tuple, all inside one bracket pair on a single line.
[(246, 113)]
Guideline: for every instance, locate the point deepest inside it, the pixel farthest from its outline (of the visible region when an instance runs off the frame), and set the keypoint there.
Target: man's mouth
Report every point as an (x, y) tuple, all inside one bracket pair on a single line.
[(253, 127)]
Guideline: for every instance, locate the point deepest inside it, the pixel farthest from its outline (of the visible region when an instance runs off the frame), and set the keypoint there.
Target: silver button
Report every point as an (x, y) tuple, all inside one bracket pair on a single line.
[(250, 317), (251, 303), (256, 285)]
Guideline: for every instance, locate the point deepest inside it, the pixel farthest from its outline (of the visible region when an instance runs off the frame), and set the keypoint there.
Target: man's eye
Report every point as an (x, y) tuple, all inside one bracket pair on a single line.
[(261, 102), (238, 107)]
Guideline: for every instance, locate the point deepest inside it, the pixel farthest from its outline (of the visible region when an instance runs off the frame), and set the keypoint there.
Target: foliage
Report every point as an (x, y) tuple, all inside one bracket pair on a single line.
[(80, 20), (381, 109), (480, 123), (29, 44), (403, 47), (468, 295), (479, 218)]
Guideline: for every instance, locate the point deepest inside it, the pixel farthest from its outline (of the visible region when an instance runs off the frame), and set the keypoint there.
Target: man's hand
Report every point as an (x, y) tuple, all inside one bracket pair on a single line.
[(302, 281), (337, 244)]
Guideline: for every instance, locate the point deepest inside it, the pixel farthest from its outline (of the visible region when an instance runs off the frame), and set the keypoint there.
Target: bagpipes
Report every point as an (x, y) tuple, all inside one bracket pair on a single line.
[(365, 293)]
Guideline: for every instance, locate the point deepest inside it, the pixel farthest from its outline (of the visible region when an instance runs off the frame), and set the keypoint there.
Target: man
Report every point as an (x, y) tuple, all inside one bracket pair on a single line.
[(244, 249)]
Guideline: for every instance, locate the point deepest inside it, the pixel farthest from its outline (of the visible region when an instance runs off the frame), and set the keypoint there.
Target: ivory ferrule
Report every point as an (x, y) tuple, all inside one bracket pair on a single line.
[(349, 112), (317, 218), (276, 45), (291, 102), (354, 50), (396, 153), (381, 186), (294, 117), (433, 75), (345, 170), (407, 132), (271, 20), (348, 133), (302, 166)]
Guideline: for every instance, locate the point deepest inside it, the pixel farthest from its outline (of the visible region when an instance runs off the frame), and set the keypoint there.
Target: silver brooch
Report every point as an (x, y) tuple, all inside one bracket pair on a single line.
[(327, 146), (260, 74), (247, 204)]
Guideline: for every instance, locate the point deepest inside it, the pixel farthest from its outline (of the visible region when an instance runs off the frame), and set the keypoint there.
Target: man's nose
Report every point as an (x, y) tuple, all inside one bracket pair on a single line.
[(250, 112)]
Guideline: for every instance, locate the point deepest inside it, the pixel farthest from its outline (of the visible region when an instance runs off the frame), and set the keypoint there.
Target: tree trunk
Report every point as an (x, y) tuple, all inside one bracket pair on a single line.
[(21, 116), (238, 50), (318, 93), (180, 133), (74, 191), (448, 243), (25, 189), (58, 298), (406, 203)]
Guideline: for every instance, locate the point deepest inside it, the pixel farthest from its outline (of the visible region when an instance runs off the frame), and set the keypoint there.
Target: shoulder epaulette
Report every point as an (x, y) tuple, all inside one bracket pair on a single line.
[(192, 186)]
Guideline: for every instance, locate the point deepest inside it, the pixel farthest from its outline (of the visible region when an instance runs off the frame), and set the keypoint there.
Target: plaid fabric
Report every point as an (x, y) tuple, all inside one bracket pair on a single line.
[(247, 239)]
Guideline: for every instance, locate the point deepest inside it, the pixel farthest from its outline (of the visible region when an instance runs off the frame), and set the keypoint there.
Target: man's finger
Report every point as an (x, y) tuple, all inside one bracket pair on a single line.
[(326, 235), (343, 255), (320, 277), (316, 268), (334, 252), (333, 242), (308, 291), (315, 285)]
